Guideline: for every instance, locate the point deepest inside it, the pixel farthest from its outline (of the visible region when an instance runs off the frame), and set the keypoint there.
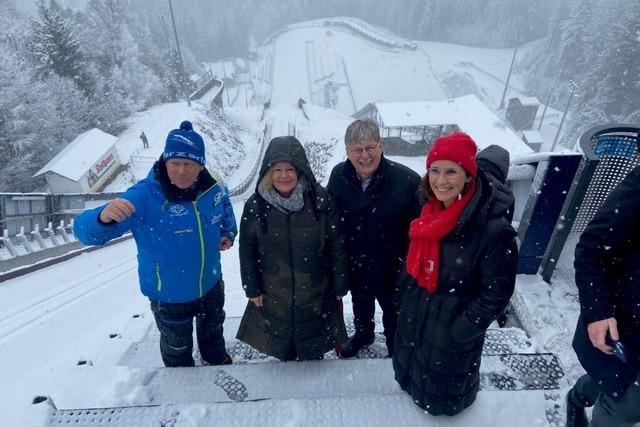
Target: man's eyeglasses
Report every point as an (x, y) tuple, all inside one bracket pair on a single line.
[(359, 150)]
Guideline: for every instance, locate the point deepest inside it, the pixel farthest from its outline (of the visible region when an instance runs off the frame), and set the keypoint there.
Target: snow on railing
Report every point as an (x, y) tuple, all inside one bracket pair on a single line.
[(204, 84), (372, 33), (26, 243), (216, 100), (242, 187), (358, 26)]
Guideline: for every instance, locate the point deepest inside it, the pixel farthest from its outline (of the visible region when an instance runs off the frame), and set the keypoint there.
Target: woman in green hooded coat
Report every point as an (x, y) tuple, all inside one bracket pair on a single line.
[(292, 259)]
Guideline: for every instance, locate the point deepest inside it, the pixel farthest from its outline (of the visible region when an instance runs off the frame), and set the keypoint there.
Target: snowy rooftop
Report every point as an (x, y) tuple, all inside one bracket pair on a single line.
[(468, 112), (80, 154), (529, 100), (533, 136)]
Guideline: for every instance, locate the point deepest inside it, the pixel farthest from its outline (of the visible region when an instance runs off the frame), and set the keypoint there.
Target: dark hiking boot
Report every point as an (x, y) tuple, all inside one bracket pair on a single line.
[(576, 414), (353, 345), (226, 360)]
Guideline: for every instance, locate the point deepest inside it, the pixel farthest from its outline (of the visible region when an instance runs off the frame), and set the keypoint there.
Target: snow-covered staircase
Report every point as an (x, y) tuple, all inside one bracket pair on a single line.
[(516, 384)]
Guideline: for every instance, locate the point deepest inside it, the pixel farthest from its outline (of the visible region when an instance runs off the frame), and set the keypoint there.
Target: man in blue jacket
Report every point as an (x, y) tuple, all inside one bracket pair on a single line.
[(181, 218)]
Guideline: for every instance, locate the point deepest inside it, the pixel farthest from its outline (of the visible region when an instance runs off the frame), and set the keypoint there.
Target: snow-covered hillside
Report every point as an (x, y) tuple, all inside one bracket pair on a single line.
[(297, 62)]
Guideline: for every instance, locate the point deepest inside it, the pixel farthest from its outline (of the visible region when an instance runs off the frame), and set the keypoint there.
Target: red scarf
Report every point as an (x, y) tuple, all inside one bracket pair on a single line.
[(435, 222)]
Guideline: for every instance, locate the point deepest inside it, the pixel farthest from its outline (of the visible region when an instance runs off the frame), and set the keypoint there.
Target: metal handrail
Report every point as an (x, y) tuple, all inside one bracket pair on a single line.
[(242, 187)]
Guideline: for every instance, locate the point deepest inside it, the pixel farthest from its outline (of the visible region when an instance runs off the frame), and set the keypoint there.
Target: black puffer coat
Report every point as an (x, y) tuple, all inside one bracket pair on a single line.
[(440, 336), (377, 220), (607, 264), (297, 262)]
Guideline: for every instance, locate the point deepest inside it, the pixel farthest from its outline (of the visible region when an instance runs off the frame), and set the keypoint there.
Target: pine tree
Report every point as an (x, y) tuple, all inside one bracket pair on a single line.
[(54, 47)]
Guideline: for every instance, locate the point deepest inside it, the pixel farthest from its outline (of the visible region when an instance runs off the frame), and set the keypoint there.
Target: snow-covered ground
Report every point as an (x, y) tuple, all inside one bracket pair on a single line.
[(88, 310)]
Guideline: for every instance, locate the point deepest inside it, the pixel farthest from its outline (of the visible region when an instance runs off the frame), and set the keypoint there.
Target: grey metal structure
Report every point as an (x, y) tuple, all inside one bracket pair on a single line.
[(610, 153), (29, 210)]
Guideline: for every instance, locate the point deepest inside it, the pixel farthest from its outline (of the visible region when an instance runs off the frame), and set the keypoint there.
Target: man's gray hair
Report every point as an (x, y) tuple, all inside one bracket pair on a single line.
[(361, 130)]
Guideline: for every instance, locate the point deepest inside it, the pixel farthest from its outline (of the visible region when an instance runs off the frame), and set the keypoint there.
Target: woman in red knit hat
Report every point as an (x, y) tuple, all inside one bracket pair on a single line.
[(460, 274)]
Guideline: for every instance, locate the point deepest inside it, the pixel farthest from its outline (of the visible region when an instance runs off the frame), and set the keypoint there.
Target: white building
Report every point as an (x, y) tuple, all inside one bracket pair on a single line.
[(414, 121), (84, 165), (533, 139)]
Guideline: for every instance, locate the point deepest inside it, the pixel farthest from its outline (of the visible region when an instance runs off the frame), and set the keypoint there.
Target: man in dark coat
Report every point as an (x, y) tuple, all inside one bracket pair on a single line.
[(145, 141), (292, 261), (607, 265), (378, 199)]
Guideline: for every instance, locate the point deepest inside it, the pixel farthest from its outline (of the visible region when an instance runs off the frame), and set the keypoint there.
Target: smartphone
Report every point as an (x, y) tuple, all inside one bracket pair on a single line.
[(619, 350)]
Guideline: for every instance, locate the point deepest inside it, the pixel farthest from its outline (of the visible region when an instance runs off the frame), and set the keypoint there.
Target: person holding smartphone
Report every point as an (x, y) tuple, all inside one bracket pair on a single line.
[(607, 337)]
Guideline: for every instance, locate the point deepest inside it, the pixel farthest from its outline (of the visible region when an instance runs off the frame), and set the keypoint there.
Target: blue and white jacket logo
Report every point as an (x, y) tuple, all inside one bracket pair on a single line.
[(217, 198), (177, 210)]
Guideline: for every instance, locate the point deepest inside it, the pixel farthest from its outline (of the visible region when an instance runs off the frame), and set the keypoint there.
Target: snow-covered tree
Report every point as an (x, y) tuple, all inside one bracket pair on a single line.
[(621, 66), (14, 31), (107, 30), (124, 84), (38, 117), (610, 91), (54, 47)]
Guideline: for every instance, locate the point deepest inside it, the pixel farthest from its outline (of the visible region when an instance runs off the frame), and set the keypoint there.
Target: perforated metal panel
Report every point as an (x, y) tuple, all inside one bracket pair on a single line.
[(616, 154), (126, 416)]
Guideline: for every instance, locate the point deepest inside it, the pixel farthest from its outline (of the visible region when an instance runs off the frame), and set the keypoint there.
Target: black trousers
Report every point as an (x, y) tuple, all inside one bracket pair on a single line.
[(623, 411), (175, 323), (364, 309)]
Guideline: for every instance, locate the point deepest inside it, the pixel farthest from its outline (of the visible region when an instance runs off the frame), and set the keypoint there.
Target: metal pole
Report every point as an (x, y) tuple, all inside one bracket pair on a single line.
[(564, 115), (544, 110), (506, 85), (164, 30), (175, 33)]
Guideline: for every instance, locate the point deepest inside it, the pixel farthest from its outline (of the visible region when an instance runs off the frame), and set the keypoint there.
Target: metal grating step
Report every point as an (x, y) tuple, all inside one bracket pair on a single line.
[(146, 352), (370, 411)]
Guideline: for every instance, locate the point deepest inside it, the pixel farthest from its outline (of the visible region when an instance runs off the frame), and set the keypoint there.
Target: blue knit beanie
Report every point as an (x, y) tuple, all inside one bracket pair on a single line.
[(184, 143)]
